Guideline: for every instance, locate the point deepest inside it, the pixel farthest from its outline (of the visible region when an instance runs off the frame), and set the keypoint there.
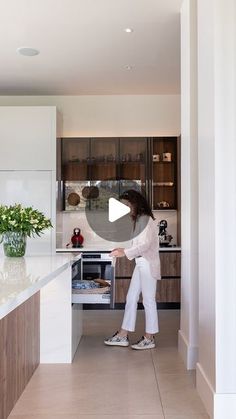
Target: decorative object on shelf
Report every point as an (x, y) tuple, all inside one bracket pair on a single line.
[(77, 239), (163, 204), (90, 192), (73, 199), (16, 223), (164, 237), (166, 157), (86, 192), (75, 188)]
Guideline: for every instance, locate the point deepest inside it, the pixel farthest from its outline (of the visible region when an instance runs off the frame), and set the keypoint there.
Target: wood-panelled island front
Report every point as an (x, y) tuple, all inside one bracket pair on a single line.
[(19, 351)]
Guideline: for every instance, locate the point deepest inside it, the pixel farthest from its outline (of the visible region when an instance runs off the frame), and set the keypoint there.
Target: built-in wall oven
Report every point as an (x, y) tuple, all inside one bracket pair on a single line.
[(91, 266)]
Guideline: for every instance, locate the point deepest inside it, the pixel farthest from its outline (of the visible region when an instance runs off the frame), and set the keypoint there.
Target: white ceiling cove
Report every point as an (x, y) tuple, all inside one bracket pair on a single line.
[(84, 49)]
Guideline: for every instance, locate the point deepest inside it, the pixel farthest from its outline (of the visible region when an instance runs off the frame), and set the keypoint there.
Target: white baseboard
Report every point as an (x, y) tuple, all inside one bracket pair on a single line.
[(188, 353), (218, 405), (205, 391)]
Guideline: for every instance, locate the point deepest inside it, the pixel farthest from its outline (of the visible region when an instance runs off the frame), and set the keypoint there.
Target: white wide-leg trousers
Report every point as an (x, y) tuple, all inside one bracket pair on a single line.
[(141, 282)]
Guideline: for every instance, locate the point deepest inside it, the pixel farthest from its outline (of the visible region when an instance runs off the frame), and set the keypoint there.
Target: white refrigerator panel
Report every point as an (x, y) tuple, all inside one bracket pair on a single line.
[(36, 189), (28, 137)]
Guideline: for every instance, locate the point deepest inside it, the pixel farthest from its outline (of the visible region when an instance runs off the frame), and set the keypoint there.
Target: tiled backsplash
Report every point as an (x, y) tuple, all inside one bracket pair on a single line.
[(67, 221)]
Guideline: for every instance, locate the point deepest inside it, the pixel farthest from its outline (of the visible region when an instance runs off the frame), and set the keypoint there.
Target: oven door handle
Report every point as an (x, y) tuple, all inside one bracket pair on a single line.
[(113, 288)]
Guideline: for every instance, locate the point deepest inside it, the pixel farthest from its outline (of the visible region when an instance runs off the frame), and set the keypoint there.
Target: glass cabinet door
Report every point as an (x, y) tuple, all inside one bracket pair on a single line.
[(133, 157), (164, 173), (148, 165), (75, 159), (103, 159)]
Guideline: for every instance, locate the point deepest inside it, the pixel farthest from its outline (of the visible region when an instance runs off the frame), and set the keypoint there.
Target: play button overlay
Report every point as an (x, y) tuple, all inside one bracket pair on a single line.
[(116, 210), (107, 216)]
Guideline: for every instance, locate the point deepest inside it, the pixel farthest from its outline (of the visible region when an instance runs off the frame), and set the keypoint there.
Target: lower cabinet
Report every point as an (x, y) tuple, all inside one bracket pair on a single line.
[(168, 289), (122, 286), (124, 269)]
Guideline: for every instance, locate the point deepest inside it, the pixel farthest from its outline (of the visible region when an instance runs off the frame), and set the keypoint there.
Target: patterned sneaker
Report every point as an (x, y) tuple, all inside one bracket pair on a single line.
[(144, 343), (116, 340)]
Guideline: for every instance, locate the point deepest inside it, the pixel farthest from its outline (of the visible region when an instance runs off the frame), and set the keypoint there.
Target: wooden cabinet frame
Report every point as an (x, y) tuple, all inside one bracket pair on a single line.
[(168, 289)]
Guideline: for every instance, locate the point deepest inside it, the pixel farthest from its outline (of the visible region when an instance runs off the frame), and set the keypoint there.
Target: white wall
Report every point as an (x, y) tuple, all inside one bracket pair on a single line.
[(216, 368), (136, 115), (188, 334), (206, 147)]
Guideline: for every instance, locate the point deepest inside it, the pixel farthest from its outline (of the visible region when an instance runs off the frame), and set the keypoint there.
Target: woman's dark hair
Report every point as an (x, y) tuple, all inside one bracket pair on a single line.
[(138, 202)]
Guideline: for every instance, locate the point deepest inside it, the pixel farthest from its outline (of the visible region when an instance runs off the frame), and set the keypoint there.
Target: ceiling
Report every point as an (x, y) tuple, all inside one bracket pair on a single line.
[(84, 48)]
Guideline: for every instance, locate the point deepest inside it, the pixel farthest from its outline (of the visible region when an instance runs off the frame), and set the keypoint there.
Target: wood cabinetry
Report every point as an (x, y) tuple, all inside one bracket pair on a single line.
[(149, 165), (168, 289), (124, 270), (19, 348), (164, 173), (124, 267), (119, 163), (170, 264), (122, 286), (104, 159)]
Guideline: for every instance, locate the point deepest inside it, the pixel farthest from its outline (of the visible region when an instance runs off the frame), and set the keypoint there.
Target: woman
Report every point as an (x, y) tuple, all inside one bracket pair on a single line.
[(145, 251)]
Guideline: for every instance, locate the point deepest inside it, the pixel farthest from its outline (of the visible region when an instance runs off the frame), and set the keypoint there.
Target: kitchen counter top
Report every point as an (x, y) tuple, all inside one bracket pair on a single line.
[(101, 248), (20, 278)]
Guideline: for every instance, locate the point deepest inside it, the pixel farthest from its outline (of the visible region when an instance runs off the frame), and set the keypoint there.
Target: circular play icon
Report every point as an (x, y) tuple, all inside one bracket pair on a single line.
[(109, 217)]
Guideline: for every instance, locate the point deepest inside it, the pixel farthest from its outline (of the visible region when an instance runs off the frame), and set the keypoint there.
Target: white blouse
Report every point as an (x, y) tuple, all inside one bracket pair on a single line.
[(146, 244)]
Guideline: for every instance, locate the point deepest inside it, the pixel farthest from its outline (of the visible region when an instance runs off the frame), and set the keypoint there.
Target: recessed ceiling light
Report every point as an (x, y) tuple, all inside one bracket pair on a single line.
[(128, 30), (28, 52), (128, 67)]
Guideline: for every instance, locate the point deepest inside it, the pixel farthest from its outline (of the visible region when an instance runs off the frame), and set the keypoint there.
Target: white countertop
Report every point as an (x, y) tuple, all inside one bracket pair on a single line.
[(20, 278), (101, 248)]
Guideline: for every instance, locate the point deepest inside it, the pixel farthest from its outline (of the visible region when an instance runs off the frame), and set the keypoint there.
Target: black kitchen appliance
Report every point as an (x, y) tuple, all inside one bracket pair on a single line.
[(164, 237)]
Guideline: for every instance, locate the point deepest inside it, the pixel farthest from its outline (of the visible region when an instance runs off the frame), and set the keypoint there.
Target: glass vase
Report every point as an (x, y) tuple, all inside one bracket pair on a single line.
[(14, 243)]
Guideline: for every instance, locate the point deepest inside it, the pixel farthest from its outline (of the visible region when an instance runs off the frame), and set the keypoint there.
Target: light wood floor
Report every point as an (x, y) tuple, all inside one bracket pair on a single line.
[(112, 382)]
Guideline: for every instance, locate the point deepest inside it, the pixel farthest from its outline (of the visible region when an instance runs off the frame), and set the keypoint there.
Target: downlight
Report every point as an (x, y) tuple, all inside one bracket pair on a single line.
[(128, 30), (27, 52)]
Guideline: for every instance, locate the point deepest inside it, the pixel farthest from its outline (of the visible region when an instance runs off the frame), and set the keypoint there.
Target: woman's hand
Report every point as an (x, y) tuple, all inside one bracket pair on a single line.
[(119, 252)]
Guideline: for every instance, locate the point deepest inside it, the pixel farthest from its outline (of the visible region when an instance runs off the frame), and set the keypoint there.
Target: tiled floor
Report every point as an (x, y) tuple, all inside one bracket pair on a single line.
[(112, 382)]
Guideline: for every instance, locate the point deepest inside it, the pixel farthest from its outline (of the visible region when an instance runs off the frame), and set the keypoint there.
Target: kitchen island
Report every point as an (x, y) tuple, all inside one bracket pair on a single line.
[(37, 322), (21, 278)]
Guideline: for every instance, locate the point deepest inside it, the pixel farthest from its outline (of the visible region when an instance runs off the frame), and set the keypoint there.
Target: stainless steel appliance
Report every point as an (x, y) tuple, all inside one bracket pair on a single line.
[(95, 265)]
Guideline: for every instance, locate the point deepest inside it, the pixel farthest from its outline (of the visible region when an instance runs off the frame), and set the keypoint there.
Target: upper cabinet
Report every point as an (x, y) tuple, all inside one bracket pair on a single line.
[(104, 156), (75, 156), (164, 173), (133, 160), (149, 165), (28, 137)]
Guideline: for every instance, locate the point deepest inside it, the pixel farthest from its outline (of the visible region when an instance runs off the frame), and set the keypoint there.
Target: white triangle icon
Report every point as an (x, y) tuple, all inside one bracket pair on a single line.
[(117, 210)]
